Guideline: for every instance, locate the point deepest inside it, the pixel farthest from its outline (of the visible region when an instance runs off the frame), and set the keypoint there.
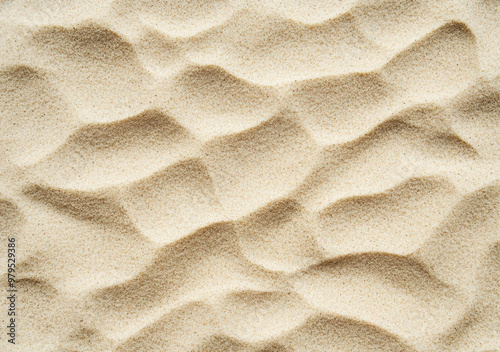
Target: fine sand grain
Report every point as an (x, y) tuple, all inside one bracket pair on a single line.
[(258, 176)]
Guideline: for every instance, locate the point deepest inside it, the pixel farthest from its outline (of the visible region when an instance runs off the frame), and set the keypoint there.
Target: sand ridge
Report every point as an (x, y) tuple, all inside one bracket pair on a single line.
[(251, 175)]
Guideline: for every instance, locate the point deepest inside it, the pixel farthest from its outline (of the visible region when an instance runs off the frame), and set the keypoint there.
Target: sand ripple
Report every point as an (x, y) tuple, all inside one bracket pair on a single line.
[(262, 176)]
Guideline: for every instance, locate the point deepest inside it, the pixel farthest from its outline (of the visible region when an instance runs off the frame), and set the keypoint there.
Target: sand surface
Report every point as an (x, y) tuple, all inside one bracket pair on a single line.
[(259, 176)]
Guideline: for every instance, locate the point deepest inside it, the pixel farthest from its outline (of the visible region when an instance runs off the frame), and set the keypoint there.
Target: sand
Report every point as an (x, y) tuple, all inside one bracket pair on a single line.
[(259, 176)]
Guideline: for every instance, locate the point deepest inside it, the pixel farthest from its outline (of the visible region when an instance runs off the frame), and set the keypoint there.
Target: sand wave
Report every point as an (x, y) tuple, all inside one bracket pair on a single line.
[(252, 176)]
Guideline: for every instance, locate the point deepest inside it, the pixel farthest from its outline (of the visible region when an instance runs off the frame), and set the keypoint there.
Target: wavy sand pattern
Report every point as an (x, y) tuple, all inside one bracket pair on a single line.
[(264, 176)]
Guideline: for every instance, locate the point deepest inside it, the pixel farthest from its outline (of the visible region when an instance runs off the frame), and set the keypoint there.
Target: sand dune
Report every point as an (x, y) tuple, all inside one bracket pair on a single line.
[(364, 286), (261, 316), (398, 220), (180, 200), (184, 329), (401, 147), (474, 220), (200, 96), (257, 54), (47, 315), (260, 164), (90, 63), (437, 66), (114, 153), (159, 53), (281, 236), (328, 111), (323, 333), (416, 75), (96, 244), (482, 318), (482, 17), (475, 119), (199, 266), (28, 96), (92, 207), (258, 176)]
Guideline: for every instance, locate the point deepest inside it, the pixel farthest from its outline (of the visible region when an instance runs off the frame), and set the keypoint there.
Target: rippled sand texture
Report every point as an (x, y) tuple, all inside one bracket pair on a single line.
[(264, 176)]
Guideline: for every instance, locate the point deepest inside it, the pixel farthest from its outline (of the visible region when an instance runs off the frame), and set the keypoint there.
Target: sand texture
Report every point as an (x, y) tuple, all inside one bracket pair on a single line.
[(251, 176)]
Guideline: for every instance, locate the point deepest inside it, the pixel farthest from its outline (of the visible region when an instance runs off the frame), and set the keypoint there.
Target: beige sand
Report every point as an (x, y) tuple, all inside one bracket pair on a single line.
[(269, 175)]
